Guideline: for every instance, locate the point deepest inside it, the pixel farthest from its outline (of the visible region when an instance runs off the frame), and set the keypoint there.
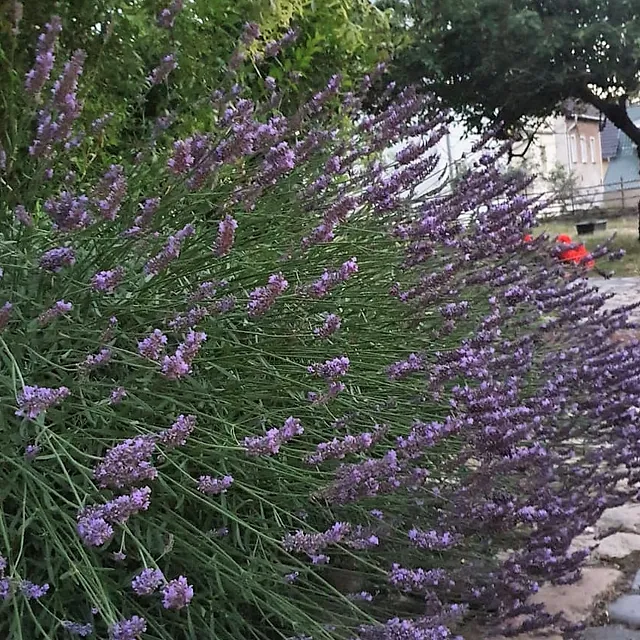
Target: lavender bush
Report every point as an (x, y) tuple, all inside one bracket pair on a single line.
[(253, 387)]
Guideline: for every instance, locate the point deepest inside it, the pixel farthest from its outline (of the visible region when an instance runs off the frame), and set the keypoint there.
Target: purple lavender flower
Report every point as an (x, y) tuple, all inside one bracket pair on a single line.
[(77, 628), (330, 369), (250, 33), (127, 464), (330, 326), (312, 543), (33, 591), (129, 629), (95, 360), (328, 280), (182, 159), (167, 17), (270, 443), (226, 233), (180, 430), (224, 305), (54, 259), (59, 308), (170, 251), (262, 299), (214, 486), (5, 314), (37, 77), (207, 290), (93, 529), (110, 192), (148, 209), (363, 596), (153, 346), (177, 594), (22, 216), (432, 540), (179, 364), (31, 452), (148, 581), (56, 126), (403, 368), (182, 321), (337, 449), (279, 160), (162, 71), (107, 281), (95, 523), (32, 401), (117, 395), (5, 589), (68, 212), (333, 389), (99, 124)]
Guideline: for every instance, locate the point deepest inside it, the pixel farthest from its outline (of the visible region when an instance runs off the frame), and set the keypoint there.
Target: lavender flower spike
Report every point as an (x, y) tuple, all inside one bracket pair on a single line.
[(214, 486), (54, 259), (59, 308), (167, 17), (5, 314), (39, 74), (33, 591), (180, 430), (153, 346), (177, 594), (162, 71), (127, 463), (226, 233), (32, 400), (129, 629), (77, 628), (107, 281), (262, 299), (147, 581)]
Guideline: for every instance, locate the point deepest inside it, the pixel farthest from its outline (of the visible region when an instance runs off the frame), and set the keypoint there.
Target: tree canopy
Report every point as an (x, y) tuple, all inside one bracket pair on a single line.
[(513, 60)]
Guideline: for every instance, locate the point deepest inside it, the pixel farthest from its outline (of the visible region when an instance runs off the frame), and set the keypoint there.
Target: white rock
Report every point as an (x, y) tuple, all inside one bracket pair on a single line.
[(576, 601), (619, 545), (624, 518)]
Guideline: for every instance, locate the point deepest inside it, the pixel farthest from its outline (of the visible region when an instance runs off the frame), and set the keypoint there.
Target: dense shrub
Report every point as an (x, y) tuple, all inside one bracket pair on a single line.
[(124, 39), (252, 387)]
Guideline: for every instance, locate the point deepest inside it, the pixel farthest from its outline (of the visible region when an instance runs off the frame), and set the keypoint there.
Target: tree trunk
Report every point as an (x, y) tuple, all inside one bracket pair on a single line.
[(616, 112)]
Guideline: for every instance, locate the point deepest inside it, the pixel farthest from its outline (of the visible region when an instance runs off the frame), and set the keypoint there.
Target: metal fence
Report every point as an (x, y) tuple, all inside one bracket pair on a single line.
[(608, 200)]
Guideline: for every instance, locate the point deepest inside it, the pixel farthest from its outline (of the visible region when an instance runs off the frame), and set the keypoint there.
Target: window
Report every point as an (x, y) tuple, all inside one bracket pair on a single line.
[(574, 149), (583, 149), (592, 145)]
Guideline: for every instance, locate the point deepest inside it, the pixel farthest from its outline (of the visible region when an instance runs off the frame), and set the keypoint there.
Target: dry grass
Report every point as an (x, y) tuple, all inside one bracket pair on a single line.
[(626, 237)]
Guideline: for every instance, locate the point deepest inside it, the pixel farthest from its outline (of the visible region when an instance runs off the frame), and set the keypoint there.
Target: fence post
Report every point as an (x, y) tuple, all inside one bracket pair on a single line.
[(622, 194)]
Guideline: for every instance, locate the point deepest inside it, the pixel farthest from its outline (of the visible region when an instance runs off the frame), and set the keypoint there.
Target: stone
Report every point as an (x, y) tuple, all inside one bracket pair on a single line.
[(613, 632), (585, 541), (541, 635), (623, 518), (626, 610), (619, 545), (576, 601), (635, 586)]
